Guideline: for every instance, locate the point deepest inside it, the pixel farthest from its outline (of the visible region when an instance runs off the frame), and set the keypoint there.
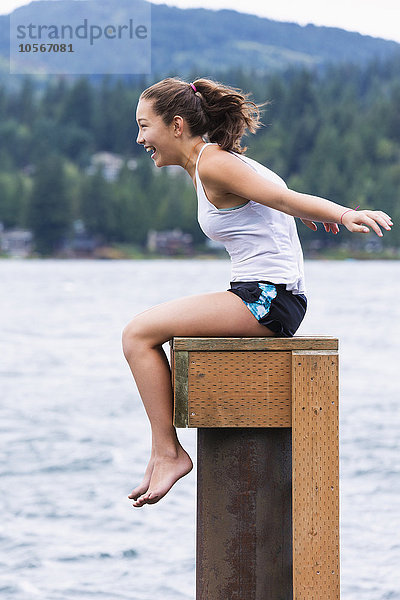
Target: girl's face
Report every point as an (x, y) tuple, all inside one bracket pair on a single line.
[(155, 135)]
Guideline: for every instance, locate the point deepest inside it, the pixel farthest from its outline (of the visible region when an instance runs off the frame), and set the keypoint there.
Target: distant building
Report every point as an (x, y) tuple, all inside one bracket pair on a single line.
[(17, 243), (81, 244), (109, 164), (170, 242)]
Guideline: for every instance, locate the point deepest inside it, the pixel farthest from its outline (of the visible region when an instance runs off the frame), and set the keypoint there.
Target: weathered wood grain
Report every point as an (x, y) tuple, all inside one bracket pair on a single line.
[(262, 343), (239, 389), (180, 361), (315, 448)]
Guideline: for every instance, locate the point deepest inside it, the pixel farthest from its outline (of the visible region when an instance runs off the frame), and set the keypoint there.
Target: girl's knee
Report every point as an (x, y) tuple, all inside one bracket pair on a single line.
[(138, 335), (133, 335)]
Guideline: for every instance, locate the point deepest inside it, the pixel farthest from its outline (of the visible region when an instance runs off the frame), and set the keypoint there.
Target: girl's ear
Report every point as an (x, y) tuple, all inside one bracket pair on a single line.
[(178, 124)]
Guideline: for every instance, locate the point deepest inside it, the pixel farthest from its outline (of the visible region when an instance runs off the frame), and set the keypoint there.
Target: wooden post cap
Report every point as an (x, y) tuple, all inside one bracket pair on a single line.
[(258, 343), (237, 382)]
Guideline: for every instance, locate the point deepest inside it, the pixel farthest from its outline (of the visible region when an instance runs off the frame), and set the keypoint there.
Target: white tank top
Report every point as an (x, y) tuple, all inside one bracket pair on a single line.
[(262, 242)]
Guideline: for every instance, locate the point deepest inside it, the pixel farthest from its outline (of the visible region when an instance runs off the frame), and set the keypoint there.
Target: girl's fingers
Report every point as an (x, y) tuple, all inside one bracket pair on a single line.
[(387, 225), (373, 224), (333, 227), (372, 219), (309, 224), (381, 218), (385, 216), (361, 229)]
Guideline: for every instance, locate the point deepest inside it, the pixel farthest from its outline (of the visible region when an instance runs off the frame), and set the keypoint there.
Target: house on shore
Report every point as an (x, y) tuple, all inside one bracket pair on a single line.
[(17, 243)]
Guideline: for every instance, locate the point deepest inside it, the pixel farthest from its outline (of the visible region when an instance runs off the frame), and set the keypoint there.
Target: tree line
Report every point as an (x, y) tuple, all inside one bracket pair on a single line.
[(333, 133)]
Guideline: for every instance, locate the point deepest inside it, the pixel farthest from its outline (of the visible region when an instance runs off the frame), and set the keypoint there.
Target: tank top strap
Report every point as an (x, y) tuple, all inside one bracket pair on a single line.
[(201, 150)]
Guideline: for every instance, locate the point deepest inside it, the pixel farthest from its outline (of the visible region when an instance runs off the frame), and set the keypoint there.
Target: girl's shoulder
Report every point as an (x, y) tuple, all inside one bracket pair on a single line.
[(213, 148), (217, 167), (213, 157), (214, 161)]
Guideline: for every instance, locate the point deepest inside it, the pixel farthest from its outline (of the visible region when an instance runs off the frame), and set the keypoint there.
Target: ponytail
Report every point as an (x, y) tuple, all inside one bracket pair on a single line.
[(215, 111)]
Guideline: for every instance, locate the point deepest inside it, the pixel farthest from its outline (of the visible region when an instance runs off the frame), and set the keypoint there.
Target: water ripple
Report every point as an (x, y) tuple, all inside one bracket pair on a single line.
[(75, 438)]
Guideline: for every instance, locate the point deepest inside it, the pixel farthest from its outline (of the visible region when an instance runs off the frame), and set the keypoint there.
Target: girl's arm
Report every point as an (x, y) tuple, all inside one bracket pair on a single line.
[(226, 174)]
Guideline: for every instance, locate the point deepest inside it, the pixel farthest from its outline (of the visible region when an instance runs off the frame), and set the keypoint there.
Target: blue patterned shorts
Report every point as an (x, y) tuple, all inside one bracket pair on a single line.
[(272, 305)]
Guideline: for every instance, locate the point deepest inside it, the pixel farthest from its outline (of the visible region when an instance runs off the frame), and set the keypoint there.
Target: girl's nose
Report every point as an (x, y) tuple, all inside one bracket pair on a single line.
[(139, 138)]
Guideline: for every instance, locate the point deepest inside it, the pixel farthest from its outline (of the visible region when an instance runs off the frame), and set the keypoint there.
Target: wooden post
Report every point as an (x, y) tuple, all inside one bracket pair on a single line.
[(266, 410)]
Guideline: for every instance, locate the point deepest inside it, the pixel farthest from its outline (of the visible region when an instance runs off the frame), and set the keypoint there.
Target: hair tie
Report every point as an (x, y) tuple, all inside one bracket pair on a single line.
[(193, 86), (348, 210)]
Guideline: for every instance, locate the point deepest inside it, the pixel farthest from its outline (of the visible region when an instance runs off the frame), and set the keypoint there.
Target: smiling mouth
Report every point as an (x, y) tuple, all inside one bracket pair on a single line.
[(152, 150)]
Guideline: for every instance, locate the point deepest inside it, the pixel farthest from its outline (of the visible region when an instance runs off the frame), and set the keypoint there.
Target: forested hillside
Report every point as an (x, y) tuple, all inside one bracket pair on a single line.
[(335, 134), (208, 40)]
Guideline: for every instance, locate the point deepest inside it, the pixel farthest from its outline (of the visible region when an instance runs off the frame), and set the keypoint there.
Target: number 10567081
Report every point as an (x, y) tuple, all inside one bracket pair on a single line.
[(45, 48)]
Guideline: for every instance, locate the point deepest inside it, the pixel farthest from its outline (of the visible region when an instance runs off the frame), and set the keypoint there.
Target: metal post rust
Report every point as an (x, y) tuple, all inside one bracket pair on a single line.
[(244, 514)]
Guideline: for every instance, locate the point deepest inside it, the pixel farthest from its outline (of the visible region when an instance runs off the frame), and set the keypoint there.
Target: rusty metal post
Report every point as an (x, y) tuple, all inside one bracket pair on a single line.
[(244, 520)]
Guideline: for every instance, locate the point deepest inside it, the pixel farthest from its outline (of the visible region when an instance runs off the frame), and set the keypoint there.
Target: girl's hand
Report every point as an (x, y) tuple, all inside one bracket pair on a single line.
[(328, 226), (356, 221)]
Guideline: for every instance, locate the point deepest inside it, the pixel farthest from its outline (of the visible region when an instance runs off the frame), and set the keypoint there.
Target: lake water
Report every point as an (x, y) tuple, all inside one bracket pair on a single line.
[(75, 439)]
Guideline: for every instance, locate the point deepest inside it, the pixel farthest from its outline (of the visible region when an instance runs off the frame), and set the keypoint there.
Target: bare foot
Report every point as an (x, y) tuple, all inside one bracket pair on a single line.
[(167, 470), (144, 486)]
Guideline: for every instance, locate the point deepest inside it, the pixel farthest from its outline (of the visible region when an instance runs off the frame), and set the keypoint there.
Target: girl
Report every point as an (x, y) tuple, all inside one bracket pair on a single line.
[(247, 207)]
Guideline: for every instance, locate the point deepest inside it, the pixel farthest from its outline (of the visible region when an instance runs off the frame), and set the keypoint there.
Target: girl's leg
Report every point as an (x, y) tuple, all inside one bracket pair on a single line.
[(220, 314)]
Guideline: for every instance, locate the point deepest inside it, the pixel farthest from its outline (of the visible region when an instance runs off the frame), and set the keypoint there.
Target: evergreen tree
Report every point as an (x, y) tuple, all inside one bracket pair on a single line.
[(79, 104), (49, 215), (9, 209), (53, 99), (26, 106), (97, 207)]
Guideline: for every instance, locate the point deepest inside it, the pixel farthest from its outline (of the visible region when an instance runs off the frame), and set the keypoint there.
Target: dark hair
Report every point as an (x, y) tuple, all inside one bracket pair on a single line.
[(219, 112)]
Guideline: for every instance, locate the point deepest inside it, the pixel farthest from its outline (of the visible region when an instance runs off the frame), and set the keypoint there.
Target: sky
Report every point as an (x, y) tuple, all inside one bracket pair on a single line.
[(379, 18)]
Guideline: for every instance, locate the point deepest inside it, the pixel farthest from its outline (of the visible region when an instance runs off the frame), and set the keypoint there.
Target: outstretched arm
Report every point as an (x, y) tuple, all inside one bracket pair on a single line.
[(355, 221), (228, 175)]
